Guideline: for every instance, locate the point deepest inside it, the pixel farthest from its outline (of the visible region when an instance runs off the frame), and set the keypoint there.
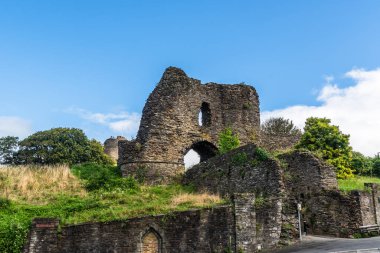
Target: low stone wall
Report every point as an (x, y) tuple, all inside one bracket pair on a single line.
[(201, 231), (245, 226)]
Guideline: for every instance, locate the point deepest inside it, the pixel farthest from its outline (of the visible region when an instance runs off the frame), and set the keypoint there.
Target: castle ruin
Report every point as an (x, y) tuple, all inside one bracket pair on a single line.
[(265, 191), (170, 124)]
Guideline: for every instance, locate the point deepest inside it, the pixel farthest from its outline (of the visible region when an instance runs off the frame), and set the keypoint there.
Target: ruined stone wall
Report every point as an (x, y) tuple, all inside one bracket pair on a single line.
[(278, 185), (307, 180), (332, 213), (201, 231), (238, 171), (306, 174), (111, 147), (243, 171), (169, 126), (326, 211)]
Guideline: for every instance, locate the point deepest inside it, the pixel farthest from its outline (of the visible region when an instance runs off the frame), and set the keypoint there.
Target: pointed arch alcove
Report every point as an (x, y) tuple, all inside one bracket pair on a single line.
[(151, 241)]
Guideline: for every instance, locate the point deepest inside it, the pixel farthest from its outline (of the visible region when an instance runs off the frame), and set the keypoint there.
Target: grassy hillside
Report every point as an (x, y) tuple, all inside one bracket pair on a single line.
[(356, 183), (83, 193)]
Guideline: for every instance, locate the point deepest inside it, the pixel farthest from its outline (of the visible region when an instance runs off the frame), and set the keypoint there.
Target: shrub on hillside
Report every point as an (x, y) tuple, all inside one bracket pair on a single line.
[(228, 141), (13, 231), (105, 177)]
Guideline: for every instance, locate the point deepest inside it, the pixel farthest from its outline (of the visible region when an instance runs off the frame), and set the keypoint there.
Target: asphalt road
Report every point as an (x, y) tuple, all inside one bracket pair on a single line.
[(312, 244)]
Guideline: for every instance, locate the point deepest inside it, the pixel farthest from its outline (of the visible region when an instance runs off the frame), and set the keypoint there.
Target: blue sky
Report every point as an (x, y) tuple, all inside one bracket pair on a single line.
[(92, 64)]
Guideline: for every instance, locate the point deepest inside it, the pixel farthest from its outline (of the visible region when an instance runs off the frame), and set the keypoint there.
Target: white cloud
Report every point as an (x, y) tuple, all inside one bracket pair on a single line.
[(355, 109), (14, 126), (124, 123)]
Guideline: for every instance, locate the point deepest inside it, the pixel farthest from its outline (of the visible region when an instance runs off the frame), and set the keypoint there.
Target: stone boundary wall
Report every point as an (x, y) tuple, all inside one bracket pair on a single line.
[(201, 231), (243, 226)]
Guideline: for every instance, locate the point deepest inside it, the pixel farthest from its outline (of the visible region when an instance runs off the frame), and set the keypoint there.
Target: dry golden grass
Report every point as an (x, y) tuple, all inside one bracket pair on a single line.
[(38, 185), (196, 200)]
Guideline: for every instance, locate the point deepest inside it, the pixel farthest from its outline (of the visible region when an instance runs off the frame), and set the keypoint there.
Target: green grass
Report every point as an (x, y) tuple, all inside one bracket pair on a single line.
[(112, 200), (356, 183)]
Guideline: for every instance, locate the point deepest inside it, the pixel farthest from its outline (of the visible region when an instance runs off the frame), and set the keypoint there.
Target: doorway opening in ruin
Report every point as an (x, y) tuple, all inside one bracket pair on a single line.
[(151, 242), (199, 152), (191, 158), (204, 116)]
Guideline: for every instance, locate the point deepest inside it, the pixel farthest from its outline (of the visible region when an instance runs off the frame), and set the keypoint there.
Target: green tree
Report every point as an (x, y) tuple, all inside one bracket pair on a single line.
[(330, 143), (279, 127), (376, 166), (361, 164), (228, 141), (8, 149), (60, 145)]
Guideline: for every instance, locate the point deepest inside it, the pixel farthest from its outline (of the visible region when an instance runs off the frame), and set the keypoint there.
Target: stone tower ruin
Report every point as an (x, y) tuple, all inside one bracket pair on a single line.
[(183, 114), (111, 147)]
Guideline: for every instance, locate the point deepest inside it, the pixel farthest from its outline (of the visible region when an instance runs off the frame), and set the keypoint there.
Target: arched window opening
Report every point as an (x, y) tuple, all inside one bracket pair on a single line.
[(150, 243), (200, 115), (199, 152), (204, 116), (191, 158)]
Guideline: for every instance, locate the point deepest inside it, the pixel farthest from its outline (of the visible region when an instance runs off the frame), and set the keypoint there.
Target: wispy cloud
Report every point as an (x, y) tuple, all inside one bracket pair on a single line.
[(354, 109), (14, 126), (124, 123)]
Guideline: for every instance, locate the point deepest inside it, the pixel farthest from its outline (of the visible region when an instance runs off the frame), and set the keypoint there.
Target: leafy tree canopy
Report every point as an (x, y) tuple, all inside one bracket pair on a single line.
[(279, 127), (227, 141), (8, 149), (330, 143), (375, 167), (60, 145), (361, 164)]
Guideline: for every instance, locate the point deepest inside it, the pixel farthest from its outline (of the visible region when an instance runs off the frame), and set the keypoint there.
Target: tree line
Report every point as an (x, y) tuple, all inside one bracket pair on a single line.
[(54, 146)]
